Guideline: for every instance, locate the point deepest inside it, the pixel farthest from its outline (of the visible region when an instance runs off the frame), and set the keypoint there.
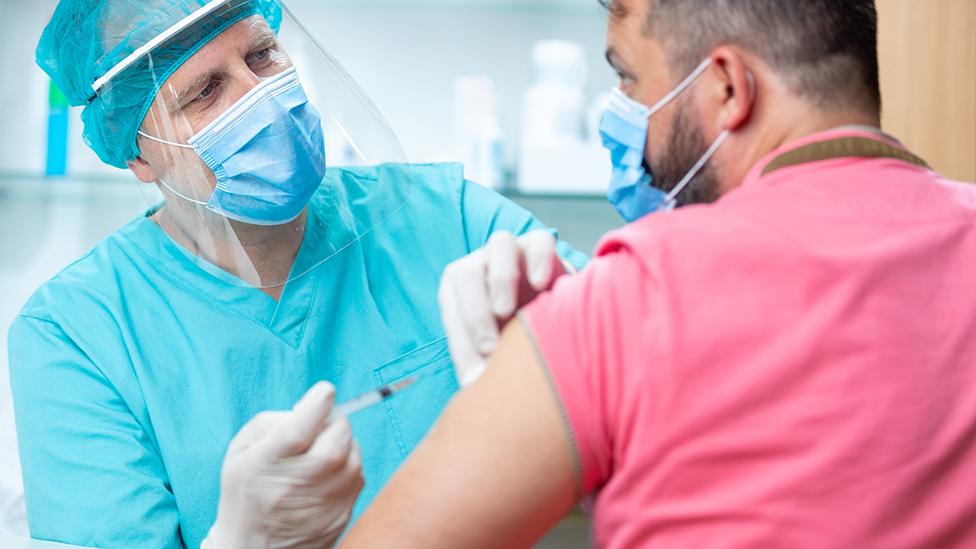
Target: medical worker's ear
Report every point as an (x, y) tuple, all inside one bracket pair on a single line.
[(143, 171), (735, 87)]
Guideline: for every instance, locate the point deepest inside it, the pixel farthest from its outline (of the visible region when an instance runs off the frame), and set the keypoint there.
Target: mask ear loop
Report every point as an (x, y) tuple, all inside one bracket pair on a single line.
[(181, 195), (163, 141), (671, 199), (681, 87), (160, 179)]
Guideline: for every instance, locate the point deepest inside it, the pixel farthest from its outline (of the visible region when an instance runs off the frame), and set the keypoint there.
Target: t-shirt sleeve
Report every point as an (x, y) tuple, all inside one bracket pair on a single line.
[(91, 473), (583, 330), (484, 212)]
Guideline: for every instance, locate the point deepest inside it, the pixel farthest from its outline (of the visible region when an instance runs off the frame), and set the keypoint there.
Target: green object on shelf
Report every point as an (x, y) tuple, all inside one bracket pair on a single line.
[(56, 98)]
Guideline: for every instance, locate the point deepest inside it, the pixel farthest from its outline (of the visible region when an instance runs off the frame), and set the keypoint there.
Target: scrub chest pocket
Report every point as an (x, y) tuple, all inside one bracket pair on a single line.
[(413, 412)]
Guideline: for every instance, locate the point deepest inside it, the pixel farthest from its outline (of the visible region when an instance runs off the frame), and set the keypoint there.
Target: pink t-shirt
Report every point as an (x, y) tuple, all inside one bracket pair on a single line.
[(793, 366)]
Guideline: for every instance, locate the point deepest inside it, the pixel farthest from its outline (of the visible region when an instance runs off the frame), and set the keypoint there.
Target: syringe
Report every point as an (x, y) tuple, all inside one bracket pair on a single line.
[(371, 398)]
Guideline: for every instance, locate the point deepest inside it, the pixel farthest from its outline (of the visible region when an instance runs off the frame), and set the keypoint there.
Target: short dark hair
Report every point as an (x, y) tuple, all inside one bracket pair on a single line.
[(825, 50)]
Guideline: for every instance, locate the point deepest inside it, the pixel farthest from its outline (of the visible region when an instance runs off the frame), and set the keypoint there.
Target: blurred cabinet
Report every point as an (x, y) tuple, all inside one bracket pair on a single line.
[(927, 50)]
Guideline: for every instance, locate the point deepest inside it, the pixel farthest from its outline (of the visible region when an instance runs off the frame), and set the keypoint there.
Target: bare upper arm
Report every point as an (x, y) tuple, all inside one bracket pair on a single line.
[(497, 470)]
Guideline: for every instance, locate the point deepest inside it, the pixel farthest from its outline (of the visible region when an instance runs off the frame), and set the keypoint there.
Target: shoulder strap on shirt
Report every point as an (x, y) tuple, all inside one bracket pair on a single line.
[(844, 147)]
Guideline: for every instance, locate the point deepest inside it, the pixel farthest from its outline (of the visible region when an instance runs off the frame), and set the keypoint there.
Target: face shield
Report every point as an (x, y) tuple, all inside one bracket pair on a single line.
[(270, 157)]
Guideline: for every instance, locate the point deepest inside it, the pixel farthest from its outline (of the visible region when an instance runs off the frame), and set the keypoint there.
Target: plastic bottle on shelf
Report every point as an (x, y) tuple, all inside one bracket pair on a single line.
[(554, 104), (557, 155), (478, 134)]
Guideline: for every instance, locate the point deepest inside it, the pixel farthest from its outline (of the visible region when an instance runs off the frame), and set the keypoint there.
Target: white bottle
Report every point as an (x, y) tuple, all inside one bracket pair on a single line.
[(478, 133), (554, 105), (557, 155)]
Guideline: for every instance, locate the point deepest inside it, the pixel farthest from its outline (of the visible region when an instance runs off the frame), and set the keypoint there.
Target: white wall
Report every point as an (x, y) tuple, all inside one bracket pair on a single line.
[(23, 98)]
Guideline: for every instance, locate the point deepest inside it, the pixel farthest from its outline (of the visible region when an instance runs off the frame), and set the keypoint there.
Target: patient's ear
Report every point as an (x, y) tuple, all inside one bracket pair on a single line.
[(736, 87), (143, 171)]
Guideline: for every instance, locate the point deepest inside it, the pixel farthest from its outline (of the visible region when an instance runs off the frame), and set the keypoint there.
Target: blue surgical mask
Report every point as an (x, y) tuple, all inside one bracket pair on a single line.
[(267, 152), (624, 131)]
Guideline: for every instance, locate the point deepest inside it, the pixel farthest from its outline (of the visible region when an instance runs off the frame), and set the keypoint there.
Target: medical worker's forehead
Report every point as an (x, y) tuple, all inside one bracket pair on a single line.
[(240, 39)]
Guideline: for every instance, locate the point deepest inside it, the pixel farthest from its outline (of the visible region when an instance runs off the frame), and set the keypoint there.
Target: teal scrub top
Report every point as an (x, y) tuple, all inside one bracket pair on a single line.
[(133, 368)]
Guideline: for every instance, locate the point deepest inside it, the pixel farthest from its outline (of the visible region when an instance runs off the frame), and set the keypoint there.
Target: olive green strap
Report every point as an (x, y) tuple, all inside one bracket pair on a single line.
[(859, 147)]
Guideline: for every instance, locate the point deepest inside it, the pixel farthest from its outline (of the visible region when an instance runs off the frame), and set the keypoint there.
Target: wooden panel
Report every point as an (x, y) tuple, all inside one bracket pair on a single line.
[(928, 80)]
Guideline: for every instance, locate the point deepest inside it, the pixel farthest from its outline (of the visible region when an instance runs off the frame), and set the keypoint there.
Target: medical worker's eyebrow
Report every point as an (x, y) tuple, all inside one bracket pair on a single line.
[(187, 91), (264, 39)]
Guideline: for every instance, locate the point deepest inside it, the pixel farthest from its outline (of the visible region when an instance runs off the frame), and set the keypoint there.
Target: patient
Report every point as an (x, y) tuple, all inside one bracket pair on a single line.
[(787, 362)]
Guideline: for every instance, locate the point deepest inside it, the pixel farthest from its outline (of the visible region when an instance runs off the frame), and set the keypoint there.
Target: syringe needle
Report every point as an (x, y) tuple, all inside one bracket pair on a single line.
[(371, 398)]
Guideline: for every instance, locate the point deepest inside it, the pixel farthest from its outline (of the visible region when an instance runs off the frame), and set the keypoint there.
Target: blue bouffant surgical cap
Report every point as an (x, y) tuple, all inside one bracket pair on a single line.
[(86, 39)]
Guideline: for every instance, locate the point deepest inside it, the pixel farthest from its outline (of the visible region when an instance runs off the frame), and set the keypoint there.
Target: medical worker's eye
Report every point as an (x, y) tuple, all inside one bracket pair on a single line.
[(206, 95), (625, 79), (259, 59)]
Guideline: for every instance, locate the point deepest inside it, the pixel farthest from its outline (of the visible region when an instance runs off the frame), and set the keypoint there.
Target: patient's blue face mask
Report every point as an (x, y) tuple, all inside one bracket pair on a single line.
[(624, 129), (267, 152)]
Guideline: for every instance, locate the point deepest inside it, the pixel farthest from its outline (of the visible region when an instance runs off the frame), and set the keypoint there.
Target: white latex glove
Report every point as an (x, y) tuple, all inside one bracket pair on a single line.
[(481, 292), (289, 479)]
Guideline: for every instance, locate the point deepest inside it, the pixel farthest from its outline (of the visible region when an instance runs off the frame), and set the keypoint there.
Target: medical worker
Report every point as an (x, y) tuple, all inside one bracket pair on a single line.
[(786, 360), (295, 246)]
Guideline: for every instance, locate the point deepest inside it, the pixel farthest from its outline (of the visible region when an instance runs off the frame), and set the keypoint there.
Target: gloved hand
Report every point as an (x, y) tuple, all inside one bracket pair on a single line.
[(289, 479), (481, 292)]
